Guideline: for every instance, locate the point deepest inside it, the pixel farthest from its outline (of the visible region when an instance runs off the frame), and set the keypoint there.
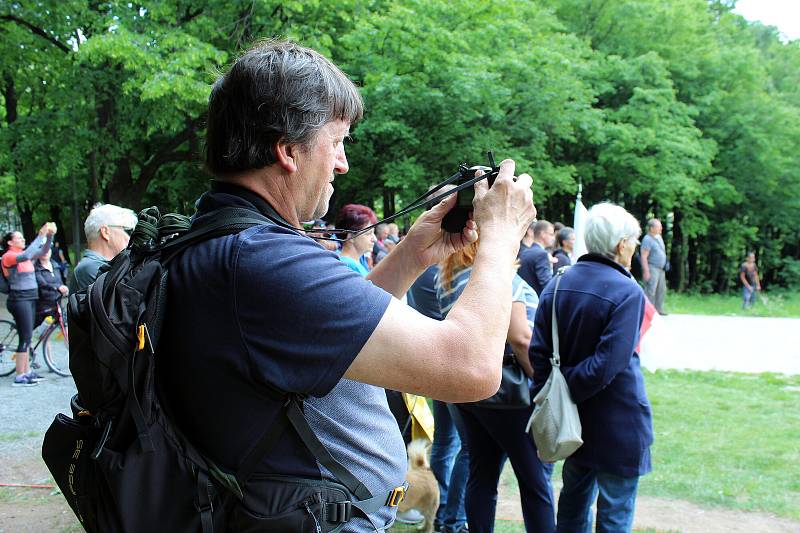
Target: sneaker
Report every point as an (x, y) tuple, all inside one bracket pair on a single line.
[(461, 529), (35, 376), (35, 365), (411, 517), (24, 381)]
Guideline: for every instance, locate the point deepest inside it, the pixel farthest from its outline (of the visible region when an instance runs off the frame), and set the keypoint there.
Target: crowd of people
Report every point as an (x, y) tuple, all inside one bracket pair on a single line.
[(325, 319), (38, 277)]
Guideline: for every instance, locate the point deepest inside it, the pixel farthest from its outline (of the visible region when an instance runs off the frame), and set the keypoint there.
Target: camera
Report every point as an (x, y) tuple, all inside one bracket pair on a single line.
[(455, 220)]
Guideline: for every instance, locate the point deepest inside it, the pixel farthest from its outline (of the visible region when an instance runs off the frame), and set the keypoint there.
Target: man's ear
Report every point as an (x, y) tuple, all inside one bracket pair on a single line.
[(286, 155), (104, 233)]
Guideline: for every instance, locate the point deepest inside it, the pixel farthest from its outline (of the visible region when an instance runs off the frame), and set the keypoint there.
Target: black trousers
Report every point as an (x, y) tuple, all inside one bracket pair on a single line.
[(23, 312)]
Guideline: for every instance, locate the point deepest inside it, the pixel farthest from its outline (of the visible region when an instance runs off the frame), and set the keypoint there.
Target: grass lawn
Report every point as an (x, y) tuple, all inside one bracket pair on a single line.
[(784, 304), (726, 439), (722, 439)]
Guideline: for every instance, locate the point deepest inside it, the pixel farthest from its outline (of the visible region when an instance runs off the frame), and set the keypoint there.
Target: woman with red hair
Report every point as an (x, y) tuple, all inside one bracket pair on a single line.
[(356, 217)]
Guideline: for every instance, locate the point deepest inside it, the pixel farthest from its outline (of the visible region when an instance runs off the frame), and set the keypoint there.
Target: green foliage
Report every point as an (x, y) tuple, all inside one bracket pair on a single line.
[(777, 303), (678, 109)]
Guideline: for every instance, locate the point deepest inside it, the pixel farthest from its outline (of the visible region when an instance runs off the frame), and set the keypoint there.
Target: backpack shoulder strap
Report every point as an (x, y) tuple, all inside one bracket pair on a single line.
[(224, 221)]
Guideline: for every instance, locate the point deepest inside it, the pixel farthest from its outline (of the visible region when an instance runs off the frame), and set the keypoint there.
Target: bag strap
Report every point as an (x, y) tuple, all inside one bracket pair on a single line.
[(298, 419), (556, 359), (227, 221), (224, 221)]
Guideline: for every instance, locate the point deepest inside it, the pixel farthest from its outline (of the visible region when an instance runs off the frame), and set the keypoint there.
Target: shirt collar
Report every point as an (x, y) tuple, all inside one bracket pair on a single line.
[(596, 258)]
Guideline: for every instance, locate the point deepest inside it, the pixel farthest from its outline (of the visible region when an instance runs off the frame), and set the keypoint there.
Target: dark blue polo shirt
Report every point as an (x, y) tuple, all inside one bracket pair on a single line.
[(267, 308)]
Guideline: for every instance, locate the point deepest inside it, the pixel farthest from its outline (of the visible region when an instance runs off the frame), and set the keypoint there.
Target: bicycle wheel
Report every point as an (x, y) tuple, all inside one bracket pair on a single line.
[(55, 349), (9, 340)]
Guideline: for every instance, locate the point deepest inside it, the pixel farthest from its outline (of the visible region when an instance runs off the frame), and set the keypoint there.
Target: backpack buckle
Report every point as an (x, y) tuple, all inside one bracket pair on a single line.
[(338, 512), (396, 496)]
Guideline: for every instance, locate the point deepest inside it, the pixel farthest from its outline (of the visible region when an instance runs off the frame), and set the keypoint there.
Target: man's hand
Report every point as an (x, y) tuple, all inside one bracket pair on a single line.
[(44, 229), (428, 243), (63, 290), (646, 275), (507, 208), (51, 228)]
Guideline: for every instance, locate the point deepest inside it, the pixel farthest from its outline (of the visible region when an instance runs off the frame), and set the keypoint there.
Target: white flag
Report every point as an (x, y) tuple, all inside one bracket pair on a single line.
[(579, 225)]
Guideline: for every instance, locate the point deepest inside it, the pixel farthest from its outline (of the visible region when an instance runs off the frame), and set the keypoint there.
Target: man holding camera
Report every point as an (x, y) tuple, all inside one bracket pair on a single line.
[(279, 312)]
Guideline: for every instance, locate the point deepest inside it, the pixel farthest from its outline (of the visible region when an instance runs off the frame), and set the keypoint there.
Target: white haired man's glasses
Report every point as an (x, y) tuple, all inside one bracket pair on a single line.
[(126, 229)]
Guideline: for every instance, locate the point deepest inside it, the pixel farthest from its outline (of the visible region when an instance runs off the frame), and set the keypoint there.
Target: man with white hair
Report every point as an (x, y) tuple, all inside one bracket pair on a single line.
[(108, 228)]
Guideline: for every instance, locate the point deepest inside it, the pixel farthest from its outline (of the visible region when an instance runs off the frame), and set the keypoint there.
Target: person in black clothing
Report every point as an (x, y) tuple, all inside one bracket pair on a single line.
[(51, 286), (566, 242), (535, 266)]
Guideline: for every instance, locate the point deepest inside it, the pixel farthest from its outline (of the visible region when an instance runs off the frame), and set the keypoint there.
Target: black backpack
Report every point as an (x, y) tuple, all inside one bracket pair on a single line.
[(120, 461)]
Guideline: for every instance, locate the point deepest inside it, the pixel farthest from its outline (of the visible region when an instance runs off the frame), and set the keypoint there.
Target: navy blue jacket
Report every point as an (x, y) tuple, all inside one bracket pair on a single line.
[(535, 267), (599, 311)]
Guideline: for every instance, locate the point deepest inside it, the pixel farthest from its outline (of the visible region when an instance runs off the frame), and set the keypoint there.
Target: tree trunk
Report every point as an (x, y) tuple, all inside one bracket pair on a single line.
[(26, 218), (678, 253), (388, 202), (692, 263)]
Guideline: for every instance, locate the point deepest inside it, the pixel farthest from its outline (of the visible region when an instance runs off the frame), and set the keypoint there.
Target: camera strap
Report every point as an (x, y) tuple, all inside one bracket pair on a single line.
[(429, 198)]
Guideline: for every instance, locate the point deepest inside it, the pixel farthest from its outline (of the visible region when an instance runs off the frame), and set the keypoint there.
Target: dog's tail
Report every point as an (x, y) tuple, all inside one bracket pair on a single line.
[(418, 453)]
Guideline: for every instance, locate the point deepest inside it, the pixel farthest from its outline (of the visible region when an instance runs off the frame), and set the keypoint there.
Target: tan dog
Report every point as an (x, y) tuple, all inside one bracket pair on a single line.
[(423, 490)]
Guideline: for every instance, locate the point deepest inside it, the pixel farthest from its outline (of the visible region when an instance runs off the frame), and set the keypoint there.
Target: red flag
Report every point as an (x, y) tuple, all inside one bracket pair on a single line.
[(647, 321)]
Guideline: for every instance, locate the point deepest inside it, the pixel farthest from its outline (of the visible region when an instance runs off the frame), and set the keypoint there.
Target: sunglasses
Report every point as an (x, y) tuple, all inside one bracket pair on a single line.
[(126, 229)]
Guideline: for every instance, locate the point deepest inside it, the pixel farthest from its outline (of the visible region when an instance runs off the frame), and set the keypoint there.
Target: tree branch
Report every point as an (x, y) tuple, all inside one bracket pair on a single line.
[(189, 15), (37, 31)]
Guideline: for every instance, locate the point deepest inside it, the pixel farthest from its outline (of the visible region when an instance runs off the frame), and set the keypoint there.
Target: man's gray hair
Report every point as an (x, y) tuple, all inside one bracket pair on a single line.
[(606, 226), (107, 215), (276, 91)]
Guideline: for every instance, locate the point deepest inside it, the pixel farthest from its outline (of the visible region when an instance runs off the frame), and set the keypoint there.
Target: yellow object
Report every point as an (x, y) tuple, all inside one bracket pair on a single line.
[(397, 496), (49, 319), (140, 335), (421, 417)]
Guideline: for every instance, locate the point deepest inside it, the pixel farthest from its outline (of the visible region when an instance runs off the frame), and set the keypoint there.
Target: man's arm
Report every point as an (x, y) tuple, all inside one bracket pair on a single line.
[(743, 278), (458, 359), (643, 255), (544, 268), (519, 336)]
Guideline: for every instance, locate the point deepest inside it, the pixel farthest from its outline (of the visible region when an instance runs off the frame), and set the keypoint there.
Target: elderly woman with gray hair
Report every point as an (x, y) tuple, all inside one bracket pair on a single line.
[(599, 309)]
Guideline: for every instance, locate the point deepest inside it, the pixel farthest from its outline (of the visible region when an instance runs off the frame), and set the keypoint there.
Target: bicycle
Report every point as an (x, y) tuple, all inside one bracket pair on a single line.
[(54, 342)]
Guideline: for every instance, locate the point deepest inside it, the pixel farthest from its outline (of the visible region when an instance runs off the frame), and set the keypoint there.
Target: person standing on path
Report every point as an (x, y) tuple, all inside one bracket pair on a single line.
[(654, 265), (598, 310), (23, 292), (748, 275)]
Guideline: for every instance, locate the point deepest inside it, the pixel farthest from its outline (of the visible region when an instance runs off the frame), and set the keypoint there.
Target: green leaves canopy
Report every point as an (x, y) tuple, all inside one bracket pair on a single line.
[(679, 110)]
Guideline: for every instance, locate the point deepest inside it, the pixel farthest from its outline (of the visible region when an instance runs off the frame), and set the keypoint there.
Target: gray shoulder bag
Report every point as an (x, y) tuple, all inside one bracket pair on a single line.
[(555, 425)]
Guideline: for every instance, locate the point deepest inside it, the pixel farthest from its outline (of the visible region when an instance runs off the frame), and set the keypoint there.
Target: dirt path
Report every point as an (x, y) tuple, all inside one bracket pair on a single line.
[(666, 515), (726, 343), (42, 511)]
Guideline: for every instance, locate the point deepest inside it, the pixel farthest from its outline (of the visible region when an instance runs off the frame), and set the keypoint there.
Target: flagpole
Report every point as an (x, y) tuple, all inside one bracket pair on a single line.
[(579, 223)]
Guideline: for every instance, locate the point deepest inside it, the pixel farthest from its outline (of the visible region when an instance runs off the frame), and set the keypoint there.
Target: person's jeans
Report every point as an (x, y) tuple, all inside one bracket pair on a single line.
[(493, 435), (616, 500), (748, 297), (450, 465)]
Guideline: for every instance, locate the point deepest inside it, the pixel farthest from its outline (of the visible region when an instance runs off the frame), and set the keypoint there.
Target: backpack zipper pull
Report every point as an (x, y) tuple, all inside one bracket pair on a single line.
[(103, 439), (316, 523)]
